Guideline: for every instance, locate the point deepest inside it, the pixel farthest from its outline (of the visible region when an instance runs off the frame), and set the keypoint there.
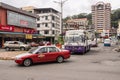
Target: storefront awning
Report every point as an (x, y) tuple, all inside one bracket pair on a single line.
[(19, 34), (12, 34), (38, 36)]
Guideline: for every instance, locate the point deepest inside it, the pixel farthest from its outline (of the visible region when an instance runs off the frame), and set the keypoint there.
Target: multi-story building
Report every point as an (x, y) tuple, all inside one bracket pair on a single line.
[(48, 23), (73, 24), (16, 24), (29, 9), (101, 17)]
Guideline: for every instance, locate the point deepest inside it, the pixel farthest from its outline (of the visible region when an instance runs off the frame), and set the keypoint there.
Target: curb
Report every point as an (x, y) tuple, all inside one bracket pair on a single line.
[(6, 58)]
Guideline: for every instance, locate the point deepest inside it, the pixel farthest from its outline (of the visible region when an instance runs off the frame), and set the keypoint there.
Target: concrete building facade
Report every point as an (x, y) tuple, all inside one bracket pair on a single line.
[(29, 9), (48, 23), (16, 24), (101, 17), (74, 24)]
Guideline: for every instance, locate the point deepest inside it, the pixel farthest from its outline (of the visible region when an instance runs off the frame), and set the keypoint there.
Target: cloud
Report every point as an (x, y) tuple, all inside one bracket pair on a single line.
[(70, 7)]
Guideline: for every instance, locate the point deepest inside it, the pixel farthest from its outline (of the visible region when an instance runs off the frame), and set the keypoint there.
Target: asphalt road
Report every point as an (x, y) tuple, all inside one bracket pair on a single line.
[(100, 63)]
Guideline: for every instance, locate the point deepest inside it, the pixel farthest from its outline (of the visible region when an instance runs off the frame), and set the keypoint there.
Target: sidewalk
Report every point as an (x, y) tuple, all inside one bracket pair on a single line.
[(9, 55)]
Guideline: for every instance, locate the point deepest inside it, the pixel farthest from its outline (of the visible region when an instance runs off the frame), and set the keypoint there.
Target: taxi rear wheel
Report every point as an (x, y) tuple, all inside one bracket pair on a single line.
[(60, 59), (27, 62)]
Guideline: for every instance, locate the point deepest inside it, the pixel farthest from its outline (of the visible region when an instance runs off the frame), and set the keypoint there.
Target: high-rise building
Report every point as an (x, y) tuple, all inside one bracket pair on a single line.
[(101, 17)]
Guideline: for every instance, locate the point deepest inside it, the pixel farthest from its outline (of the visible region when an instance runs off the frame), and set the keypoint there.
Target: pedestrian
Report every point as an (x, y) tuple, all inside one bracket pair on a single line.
[(58, 45)]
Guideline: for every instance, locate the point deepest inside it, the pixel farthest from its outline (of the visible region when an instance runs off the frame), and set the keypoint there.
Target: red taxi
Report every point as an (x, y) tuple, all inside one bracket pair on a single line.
[(42, 54)]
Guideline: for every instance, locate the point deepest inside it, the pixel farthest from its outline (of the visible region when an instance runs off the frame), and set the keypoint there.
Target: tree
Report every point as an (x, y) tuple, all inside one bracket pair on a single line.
[(65, 19), (74, 16), (114, 24), (89, 17), (115, 16), (81, 15)]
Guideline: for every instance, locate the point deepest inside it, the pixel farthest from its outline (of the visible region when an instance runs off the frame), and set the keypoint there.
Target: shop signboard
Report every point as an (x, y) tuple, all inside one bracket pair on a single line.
[(30, 31), (28, 36), (17, 19), (7, 28)]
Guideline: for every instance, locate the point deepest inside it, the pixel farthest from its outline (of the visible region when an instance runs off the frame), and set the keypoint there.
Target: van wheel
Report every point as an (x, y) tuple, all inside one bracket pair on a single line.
[(22, 48)]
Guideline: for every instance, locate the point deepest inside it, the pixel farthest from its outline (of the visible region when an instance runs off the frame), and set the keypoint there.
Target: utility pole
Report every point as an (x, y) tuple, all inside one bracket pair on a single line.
[(61, 3)]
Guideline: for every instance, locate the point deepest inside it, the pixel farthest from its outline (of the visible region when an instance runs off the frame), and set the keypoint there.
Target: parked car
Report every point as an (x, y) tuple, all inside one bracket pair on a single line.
[(43, 43), (42, 54), (107, 42), (94, 43), (33, 44), (12, 45)]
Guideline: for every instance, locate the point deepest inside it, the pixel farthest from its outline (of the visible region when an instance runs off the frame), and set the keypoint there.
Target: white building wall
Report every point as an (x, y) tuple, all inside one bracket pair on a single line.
[(42, 22)]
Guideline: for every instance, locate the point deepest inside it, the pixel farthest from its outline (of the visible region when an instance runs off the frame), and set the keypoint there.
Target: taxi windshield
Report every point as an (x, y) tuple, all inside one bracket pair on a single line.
[(32, 50)]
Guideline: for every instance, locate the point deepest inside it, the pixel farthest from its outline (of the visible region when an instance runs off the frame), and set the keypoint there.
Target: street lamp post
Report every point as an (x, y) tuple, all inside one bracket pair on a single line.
[(61, 5)]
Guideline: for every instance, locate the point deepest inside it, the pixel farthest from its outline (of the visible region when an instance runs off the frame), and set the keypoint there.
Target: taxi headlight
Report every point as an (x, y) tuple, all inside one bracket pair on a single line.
[(17, 58)]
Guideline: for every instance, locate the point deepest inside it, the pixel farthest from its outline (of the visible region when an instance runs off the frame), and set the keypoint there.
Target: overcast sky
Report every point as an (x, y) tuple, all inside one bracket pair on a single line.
[(71, 7)]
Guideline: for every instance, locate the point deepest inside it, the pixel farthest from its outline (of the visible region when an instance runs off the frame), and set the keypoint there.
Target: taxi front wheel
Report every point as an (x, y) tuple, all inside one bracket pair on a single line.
[(27, 62), (60, 59)]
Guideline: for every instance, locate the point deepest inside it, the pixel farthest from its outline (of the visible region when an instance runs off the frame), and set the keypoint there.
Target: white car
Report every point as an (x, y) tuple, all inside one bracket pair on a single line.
[(12, 45), (94, 43), (107, 42)]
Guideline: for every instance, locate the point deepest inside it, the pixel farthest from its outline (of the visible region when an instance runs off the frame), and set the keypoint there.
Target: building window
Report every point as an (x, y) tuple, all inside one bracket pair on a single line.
[(38, 19), (38, 32), (53, 32), (100, 7), (46, 32), (38, 25), (53, 17), (53, 25), (30, 11), (46, 17), (46, 24)]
